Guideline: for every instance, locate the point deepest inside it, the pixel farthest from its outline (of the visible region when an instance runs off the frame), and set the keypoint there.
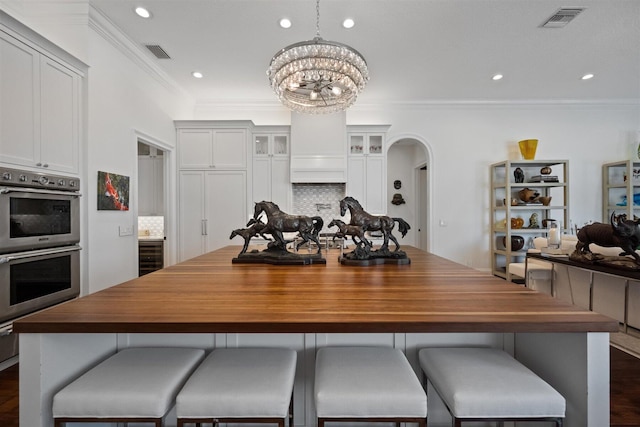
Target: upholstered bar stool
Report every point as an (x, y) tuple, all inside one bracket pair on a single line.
[(487, 384), (373, 384), (134, 385), (240, 385)]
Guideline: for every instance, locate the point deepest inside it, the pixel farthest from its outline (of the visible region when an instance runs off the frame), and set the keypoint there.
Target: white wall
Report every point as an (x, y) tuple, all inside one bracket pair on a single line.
[(122, 99)]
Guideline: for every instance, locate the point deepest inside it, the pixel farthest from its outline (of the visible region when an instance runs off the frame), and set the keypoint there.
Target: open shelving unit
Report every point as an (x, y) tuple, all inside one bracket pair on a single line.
[(504, 189), (620, 182)]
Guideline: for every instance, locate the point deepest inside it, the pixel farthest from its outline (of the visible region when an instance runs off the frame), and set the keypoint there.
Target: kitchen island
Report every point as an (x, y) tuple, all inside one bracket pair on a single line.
[(209, 302)]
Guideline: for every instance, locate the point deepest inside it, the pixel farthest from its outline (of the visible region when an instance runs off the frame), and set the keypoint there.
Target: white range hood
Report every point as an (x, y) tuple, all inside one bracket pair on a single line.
[(318, 148)]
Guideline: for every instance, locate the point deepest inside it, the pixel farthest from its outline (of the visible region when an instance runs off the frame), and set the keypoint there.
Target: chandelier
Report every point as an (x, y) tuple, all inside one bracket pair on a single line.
[(318, 76)]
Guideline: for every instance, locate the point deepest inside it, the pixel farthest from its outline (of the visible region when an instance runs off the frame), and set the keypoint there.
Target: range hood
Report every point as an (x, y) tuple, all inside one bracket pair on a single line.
[(318, 148)]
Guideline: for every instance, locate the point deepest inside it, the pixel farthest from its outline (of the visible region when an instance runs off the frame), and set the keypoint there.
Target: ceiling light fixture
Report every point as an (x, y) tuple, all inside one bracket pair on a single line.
[(197, 74), (142, 12), (497, 77), (318, 76), (348, 23), (587, 76), (285, 23)]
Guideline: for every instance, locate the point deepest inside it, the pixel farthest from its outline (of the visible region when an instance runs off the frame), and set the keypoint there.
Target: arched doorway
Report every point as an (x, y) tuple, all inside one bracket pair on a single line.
[(409, 166)]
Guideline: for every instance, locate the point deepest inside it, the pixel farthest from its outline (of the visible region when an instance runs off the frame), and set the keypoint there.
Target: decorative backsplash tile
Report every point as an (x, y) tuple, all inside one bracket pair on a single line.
[(153, 224), (321, 200)]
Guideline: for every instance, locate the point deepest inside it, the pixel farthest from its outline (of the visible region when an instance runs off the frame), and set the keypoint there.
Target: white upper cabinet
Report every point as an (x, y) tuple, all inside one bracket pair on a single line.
[(367, 167), (271, 168), (220, 149), (40, 109)]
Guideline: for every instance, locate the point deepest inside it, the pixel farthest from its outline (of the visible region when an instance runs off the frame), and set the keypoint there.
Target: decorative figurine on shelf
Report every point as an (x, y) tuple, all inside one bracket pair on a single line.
[(363, 255), (622, 233), (528, 195), (518, 175), (279, 222), (545, 170), (533, 221), (345, 230)]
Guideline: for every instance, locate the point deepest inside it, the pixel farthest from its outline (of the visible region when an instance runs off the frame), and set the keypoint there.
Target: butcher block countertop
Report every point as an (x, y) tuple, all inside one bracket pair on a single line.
[(210, 294)]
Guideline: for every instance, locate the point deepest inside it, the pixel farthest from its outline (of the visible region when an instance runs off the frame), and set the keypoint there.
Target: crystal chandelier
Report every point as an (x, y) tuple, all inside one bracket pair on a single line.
[(318, 76)]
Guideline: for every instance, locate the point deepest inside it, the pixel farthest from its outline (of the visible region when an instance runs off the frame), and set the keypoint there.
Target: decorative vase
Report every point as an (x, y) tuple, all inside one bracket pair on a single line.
[(517, 242), (528, 148)]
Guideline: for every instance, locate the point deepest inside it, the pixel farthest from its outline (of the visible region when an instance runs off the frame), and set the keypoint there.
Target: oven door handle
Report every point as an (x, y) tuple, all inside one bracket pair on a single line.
[(32, 254), (6, 190)]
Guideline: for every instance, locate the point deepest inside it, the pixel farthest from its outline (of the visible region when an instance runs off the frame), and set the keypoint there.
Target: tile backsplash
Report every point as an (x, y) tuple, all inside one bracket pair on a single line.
[(153, 224), (321, 200)]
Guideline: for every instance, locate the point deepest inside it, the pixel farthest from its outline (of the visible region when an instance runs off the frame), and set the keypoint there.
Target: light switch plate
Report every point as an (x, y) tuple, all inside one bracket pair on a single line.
[(125, 230)]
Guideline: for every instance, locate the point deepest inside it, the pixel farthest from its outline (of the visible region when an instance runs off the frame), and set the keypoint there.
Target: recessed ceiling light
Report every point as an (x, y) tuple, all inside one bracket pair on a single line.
[(497, 77), (348, 23), (142, 12), (587, 76), (285, 23), (197, 74)]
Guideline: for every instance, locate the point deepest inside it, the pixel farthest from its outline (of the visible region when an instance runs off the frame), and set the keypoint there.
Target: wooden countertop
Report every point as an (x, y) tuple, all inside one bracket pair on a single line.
[(210, 294)]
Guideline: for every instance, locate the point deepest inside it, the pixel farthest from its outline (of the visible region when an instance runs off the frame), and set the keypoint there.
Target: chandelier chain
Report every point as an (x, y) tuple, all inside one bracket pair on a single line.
[(317, 18)]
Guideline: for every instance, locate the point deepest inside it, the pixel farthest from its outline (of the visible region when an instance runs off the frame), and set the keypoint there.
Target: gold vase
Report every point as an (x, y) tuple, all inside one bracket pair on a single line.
[(528, 148)]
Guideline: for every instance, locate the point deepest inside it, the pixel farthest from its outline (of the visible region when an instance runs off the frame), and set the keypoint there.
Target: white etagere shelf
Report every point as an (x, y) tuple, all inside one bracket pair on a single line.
[(504, 189)]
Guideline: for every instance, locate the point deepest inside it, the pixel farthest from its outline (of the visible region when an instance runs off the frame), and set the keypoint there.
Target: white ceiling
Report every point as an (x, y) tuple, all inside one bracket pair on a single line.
[(417, 50)]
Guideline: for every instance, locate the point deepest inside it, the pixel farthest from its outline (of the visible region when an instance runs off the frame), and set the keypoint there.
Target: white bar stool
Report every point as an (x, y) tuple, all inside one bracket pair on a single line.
[(374, 384), (134, 385), (487, 384), (240, 385)]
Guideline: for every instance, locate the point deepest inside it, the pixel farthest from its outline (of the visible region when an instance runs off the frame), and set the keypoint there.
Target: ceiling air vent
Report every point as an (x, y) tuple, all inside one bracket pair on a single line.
[(158, 51), (562, 17)]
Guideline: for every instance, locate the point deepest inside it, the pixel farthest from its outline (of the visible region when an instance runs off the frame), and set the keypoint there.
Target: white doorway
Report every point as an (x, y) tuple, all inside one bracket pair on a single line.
[(153, 200), (409, 161)]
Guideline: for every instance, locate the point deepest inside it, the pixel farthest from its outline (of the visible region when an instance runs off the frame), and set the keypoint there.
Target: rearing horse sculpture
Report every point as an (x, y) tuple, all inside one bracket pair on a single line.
[(370, 222), (279, 222)]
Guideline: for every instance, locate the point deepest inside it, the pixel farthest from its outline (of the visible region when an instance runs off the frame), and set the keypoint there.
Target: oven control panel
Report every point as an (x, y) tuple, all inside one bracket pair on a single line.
[(21, 178)]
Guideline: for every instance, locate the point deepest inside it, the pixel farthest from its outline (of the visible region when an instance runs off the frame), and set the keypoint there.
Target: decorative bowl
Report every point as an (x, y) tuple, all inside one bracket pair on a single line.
[(517, 242)]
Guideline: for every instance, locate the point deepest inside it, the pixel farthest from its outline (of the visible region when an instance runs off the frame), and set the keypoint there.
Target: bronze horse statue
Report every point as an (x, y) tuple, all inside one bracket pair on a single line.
[(279, 222), (368, 222), (345, 230)]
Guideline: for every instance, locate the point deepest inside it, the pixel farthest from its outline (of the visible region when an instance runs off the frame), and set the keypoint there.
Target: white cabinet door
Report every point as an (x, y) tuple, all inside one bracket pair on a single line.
[(212, 149), (262, 179), (211, 205), (280, 183), (39, 109), (226, 206), (19, 102), (375, 185), (195, 148), (59, 112), (191, 212), (357, 179), (230, 149)]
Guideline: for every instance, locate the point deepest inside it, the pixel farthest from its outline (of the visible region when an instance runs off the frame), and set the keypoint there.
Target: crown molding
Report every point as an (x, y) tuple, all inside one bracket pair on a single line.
[(104, 27)]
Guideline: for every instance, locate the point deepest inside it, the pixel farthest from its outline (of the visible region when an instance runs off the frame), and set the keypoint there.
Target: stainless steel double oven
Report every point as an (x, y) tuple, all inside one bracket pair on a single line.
[(39, 243)]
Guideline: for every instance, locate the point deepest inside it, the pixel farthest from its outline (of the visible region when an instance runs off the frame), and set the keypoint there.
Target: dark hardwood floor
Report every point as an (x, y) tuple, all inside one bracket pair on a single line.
[(625, 392)]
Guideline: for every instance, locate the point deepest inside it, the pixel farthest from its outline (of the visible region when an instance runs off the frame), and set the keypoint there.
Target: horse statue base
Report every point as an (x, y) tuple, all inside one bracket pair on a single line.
[(278, 256), (362, 256)]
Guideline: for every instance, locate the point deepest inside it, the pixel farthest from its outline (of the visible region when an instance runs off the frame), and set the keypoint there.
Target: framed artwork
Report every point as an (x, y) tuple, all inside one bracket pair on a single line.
[(113, 192)]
